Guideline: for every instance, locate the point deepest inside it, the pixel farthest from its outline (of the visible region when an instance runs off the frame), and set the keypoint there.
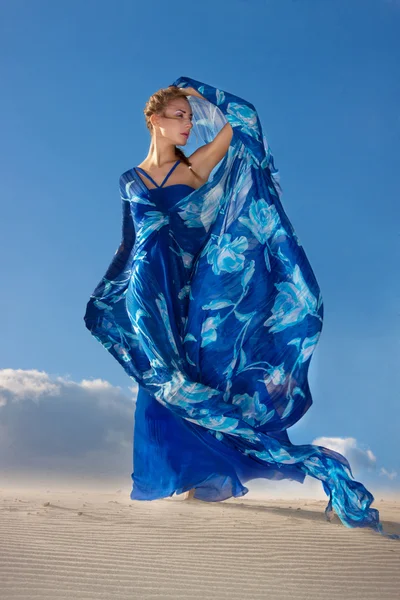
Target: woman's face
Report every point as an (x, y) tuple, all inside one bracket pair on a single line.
[(176, 121)]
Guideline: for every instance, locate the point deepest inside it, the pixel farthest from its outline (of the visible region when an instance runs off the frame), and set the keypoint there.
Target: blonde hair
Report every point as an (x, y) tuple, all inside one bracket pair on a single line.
[(156, 104)]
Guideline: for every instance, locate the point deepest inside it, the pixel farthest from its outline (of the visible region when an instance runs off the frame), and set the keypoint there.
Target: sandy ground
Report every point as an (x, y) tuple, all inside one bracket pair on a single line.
[(79, 544)]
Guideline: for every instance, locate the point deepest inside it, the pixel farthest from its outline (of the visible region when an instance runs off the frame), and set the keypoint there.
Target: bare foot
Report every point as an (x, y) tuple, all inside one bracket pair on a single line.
[(190, 494)]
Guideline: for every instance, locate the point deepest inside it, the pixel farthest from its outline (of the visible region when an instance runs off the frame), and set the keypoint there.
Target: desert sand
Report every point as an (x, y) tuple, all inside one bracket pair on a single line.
[(81, 544)]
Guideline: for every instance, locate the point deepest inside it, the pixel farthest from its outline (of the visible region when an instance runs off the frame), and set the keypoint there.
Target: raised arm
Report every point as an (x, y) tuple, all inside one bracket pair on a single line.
[(240, 114), (243, 118), (205, 158)]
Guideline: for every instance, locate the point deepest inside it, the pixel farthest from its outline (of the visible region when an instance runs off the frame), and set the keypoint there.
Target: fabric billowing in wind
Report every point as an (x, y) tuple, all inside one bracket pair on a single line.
[(211, 305)]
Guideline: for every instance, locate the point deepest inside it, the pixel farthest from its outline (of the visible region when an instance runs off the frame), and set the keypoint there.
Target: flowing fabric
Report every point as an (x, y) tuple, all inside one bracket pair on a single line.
[(211, 305)]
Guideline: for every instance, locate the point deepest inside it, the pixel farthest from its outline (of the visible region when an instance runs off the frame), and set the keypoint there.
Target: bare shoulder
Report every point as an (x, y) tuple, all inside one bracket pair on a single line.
[(205, 158)]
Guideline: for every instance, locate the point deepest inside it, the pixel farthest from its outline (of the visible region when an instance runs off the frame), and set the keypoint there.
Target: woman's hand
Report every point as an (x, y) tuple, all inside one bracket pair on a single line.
[(189, 91)]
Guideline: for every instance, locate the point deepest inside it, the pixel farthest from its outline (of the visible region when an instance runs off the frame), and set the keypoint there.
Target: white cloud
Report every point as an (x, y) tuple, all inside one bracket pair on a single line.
[(51, 423), (17, 384)]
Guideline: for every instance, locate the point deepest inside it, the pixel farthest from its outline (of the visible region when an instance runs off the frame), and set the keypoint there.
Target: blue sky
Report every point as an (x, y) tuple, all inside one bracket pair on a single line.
[(323, 75)]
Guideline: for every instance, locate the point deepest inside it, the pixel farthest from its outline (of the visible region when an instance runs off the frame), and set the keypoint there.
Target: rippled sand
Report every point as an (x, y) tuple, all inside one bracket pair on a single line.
[(81, 545)]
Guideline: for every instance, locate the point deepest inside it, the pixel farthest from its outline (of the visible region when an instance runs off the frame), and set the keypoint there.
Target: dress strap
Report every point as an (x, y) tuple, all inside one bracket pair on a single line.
[(165, 178), (147, 175), (170, 171)]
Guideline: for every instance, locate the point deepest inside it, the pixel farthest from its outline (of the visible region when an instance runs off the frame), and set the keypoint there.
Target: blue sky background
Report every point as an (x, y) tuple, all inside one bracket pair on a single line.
[(324, 77)]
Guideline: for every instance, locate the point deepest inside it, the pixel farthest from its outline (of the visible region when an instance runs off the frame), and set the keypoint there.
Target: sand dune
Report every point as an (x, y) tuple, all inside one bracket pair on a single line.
[(82, 545)]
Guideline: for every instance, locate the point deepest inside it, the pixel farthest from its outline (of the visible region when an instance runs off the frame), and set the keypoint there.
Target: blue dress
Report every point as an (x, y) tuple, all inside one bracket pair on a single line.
[(171, 456), (211, 306)]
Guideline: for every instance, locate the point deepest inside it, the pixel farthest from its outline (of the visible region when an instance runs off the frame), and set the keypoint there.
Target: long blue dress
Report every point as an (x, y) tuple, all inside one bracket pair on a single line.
[(171, 456), (211, 305)]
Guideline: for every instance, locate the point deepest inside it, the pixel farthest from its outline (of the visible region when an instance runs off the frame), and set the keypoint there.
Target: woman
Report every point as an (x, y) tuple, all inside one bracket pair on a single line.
[(210, 304), (169, 118)]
